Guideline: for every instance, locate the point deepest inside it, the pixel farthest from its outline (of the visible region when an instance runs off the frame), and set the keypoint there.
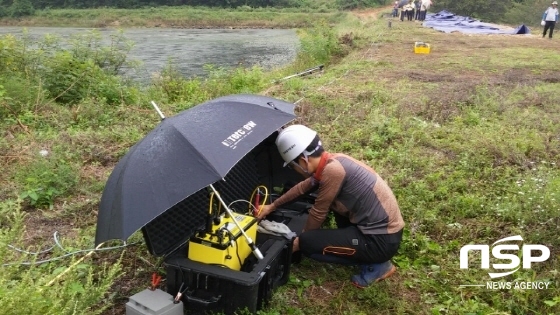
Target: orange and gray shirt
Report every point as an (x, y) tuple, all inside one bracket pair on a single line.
[(352, 189)]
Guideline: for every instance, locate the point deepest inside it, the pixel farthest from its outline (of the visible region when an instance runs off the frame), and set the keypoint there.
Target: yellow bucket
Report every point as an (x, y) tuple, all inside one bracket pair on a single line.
[(421, 48)]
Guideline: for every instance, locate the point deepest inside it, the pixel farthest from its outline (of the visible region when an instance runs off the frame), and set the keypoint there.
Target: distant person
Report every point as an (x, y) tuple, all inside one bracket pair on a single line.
[(417, 5), (412, 10), (404, 9), (424, 6), (395, 12), (409, 10), (550, 18)]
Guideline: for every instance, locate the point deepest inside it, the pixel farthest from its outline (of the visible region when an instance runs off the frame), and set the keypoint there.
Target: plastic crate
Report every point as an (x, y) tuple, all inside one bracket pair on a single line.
[(421, 48), (211, 288)]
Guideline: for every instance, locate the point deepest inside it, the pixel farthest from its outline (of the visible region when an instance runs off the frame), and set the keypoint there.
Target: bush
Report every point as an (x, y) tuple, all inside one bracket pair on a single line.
[(4, 11), (488, 11), (356, 4), (21, 8), (320, 44), (528, 13), (45, 180), (69, 75)]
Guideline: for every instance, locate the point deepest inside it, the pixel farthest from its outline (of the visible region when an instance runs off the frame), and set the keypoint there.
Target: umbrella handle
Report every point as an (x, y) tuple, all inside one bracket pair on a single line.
[(250, 242)]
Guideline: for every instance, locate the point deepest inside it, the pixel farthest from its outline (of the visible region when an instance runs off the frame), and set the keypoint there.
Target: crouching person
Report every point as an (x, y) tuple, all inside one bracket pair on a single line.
[(369, 222)]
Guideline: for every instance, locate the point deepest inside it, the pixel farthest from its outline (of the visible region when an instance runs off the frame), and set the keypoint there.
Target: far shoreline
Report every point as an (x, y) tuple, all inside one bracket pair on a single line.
[(182, 17)]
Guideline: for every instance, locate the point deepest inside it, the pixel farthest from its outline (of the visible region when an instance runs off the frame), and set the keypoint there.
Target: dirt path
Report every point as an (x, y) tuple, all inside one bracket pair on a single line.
[(370, 14)]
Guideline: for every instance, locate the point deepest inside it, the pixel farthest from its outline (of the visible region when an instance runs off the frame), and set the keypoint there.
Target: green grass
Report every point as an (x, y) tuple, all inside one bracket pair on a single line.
[(182, 17), (468, 137)]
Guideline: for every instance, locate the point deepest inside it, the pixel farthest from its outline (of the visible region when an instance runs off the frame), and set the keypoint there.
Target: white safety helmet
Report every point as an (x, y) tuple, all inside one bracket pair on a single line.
[(293, 141), (555, 3)]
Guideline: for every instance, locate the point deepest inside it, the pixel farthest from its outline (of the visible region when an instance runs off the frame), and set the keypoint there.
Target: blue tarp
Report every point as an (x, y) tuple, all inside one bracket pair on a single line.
[(448, 22)]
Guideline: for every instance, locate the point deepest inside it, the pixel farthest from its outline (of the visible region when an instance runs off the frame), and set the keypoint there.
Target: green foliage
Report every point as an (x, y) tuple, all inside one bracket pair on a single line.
[(240, 80), (10, 56), (173, 87), (489, 11), (21, 8), (131, 4), (30, 288), (90, 46), (358, 4), (89, 68), (45, 180), (20, 96), (4, 11), (319, 44), (4, 102), (68, 80), (526, 12)]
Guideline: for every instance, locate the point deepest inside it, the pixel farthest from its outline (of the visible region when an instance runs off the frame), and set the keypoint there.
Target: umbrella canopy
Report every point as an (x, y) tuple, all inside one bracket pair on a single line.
[(183, 154)]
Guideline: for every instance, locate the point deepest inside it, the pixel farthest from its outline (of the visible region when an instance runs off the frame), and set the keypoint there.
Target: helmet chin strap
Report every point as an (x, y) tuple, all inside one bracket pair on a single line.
[(306, 154), (306, 162), (303, 170)]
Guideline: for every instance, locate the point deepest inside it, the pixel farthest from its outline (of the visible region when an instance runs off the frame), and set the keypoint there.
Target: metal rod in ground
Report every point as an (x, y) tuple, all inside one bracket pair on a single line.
[(158, 111), (305, 72)]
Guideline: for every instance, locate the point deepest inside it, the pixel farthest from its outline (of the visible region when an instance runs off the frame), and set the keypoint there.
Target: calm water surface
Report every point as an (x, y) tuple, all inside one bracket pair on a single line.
[(188, 50)]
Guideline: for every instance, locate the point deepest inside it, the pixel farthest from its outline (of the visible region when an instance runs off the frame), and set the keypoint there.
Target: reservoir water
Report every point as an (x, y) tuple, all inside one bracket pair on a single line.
[(189, 50)]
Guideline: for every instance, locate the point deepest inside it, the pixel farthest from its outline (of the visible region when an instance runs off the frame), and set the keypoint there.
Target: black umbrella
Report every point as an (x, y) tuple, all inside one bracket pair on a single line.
[(183, 154)]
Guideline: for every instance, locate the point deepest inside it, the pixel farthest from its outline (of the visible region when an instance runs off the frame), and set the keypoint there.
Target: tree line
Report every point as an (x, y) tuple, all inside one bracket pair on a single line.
[(496, 11), (18, 8)]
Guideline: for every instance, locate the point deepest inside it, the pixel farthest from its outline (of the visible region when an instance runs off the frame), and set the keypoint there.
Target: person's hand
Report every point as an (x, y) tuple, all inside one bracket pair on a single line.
[(264, 211), (295, 245)]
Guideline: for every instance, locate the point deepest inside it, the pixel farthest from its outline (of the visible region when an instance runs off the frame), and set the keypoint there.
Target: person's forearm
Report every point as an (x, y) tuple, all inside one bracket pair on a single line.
[(294, 192)]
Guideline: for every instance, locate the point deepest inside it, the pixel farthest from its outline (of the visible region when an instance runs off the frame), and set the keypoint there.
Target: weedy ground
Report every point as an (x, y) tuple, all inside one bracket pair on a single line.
[(467, 136)]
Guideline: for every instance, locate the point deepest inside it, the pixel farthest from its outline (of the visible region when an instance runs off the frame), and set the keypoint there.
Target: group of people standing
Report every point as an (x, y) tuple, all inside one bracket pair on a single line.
[(411, 9)]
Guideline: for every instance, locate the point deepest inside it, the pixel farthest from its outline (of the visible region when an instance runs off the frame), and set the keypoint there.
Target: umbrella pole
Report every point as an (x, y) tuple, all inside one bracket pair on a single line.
[(250, 242)]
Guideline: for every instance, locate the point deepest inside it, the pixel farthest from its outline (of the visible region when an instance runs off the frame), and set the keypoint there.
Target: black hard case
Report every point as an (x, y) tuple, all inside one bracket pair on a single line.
[(214, 288)]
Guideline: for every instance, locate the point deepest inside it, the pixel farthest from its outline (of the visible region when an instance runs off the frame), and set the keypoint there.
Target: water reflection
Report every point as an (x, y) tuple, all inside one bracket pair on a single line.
[(189, 50)]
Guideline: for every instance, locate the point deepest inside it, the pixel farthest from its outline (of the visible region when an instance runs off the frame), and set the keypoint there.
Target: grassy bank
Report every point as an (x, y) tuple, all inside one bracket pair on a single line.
[(468, 136), (175, 17)]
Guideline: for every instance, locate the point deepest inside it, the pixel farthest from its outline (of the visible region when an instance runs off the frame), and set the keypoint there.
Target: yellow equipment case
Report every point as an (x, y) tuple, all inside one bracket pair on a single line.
[(224, 246)]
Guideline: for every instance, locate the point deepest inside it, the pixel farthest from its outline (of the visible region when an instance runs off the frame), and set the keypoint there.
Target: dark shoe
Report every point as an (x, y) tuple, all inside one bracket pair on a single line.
[(373, 273)]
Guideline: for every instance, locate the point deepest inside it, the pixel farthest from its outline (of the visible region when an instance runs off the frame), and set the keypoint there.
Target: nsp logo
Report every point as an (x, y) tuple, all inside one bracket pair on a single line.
[(500, 252)]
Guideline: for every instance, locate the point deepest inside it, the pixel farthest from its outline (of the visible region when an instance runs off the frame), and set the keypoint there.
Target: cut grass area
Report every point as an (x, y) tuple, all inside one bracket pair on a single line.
[(468, 137)]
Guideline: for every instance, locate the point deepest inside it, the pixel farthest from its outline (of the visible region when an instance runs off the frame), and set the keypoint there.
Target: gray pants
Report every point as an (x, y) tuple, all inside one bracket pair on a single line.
[(347, 245)]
